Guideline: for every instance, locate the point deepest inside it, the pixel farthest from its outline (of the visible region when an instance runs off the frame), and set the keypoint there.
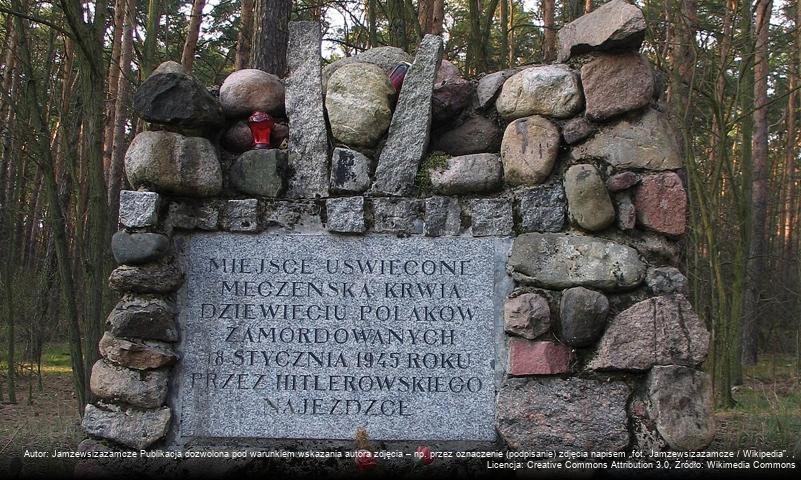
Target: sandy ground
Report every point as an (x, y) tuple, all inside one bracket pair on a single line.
[(42, 422)]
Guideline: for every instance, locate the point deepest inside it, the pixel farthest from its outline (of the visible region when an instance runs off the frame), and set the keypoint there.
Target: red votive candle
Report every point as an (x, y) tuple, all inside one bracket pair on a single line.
[(397, 75), (261, 124)]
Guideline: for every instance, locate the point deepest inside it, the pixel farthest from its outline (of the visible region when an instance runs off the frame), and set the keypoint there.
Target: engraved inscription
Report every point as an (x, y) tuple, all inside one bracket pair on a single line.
[(314, 336)]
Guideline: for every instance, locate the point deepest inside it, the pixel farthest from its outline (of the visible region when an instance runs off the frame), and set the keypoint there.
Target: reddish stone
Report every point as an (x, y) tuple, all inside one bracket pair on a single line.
[(661, 204), (538, 358), (622, 181), (615, 84), (527, 315)]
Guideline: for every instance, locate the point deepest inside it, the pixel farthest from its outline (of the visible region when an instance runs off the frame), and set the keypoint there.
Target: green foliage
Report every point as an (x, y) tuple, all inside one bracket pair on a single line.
[(435, 161), (767, 414)]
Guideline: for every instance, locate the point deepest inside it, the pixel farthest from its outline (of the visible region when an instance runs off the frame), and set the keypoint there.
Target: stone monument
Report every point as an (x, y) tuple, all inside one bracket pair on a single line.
[(490, 264)]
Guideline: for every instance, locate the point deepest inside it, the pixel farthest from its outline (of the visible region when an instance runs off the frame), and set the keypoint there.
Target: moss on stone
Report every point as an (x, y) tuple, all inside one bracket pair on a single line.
[(435, 161)]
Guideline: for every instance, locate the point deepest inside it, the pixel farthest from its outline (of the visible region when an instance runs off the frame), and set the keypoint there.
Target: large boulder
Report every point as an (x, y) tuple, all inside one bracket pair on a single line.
[(449, 99), (583, 316), (133, 428), (588, 201), (489, 86), (451, 94), (148, 317), (679, 402), (646, 141), (477, 173), (614, 25), (551, 414), (476, 134), (259, 172), (171, 97), (658, 331), (140, 355), (148, 278), (549, 90), (172, 163), (661, 204), (553, 260), (251, 90), (615, 84), (359, 104), (146, 389), (528, 150), (385, 58), (138, 247), (447, 71)]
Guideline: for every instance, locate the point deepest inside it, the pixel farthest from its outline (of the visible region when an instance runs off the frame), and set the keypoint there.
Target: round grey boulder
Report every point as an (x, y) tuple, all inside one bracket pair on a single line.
[(359, 104), (172, 163), (477, 173), (587, 198), (259, 172), (138, 248), (583, 316), (171, 97), (384, 57), (528, 150), (549, 90), (251, 90)]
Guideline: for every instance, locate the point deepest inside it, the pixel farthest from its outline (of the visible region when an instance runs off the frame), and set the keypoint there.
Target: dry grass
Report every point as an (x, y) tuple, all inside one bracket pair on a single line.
[(44, 420), (768, 411)]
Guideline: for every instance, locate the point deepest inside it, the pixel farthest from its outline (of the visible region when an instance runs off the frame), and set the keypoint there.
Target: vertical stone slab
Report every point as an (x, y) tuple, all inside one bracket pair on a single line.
[(409, 131), (308, 137)]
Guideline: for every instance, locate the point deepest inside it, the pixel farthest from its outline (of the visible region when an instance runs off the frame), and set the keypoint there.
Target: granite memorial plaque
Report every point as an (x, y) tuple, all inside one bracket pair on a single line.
[(313, 336)]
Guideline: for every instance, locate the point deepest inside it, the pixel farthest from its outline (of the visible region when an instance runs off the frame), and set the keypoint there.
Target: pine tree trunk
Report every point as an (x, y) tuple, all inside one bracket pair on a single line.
[(372, 35), (245, 37), (113, 80), (504, 33), (270, 36), (151, 34), (549, 31), (190, 45), (121, 111), (437, 17), (759, 183), (397, 24), (424, 13)]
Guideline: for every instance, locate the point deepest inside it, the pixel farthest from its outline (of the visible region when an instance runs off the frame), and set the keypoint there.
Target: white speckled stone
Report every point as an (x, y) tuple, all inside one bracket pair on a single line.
[(241, 215), (396, 215), (345, 215), (491, 216), (139, 209), (463, 329), (443, 216)]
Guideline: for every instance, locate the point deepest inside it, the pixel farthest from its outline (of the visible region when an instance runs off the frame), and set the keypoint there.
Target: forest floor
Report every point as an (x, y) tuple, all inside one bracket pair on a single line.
[(42, 420), (767, 416)]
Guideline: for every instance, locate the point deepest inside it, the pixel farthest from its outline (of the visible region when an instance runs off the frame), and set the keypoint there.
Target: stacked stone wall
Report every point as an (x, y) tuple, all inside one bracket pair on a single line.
[(577, 162)]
